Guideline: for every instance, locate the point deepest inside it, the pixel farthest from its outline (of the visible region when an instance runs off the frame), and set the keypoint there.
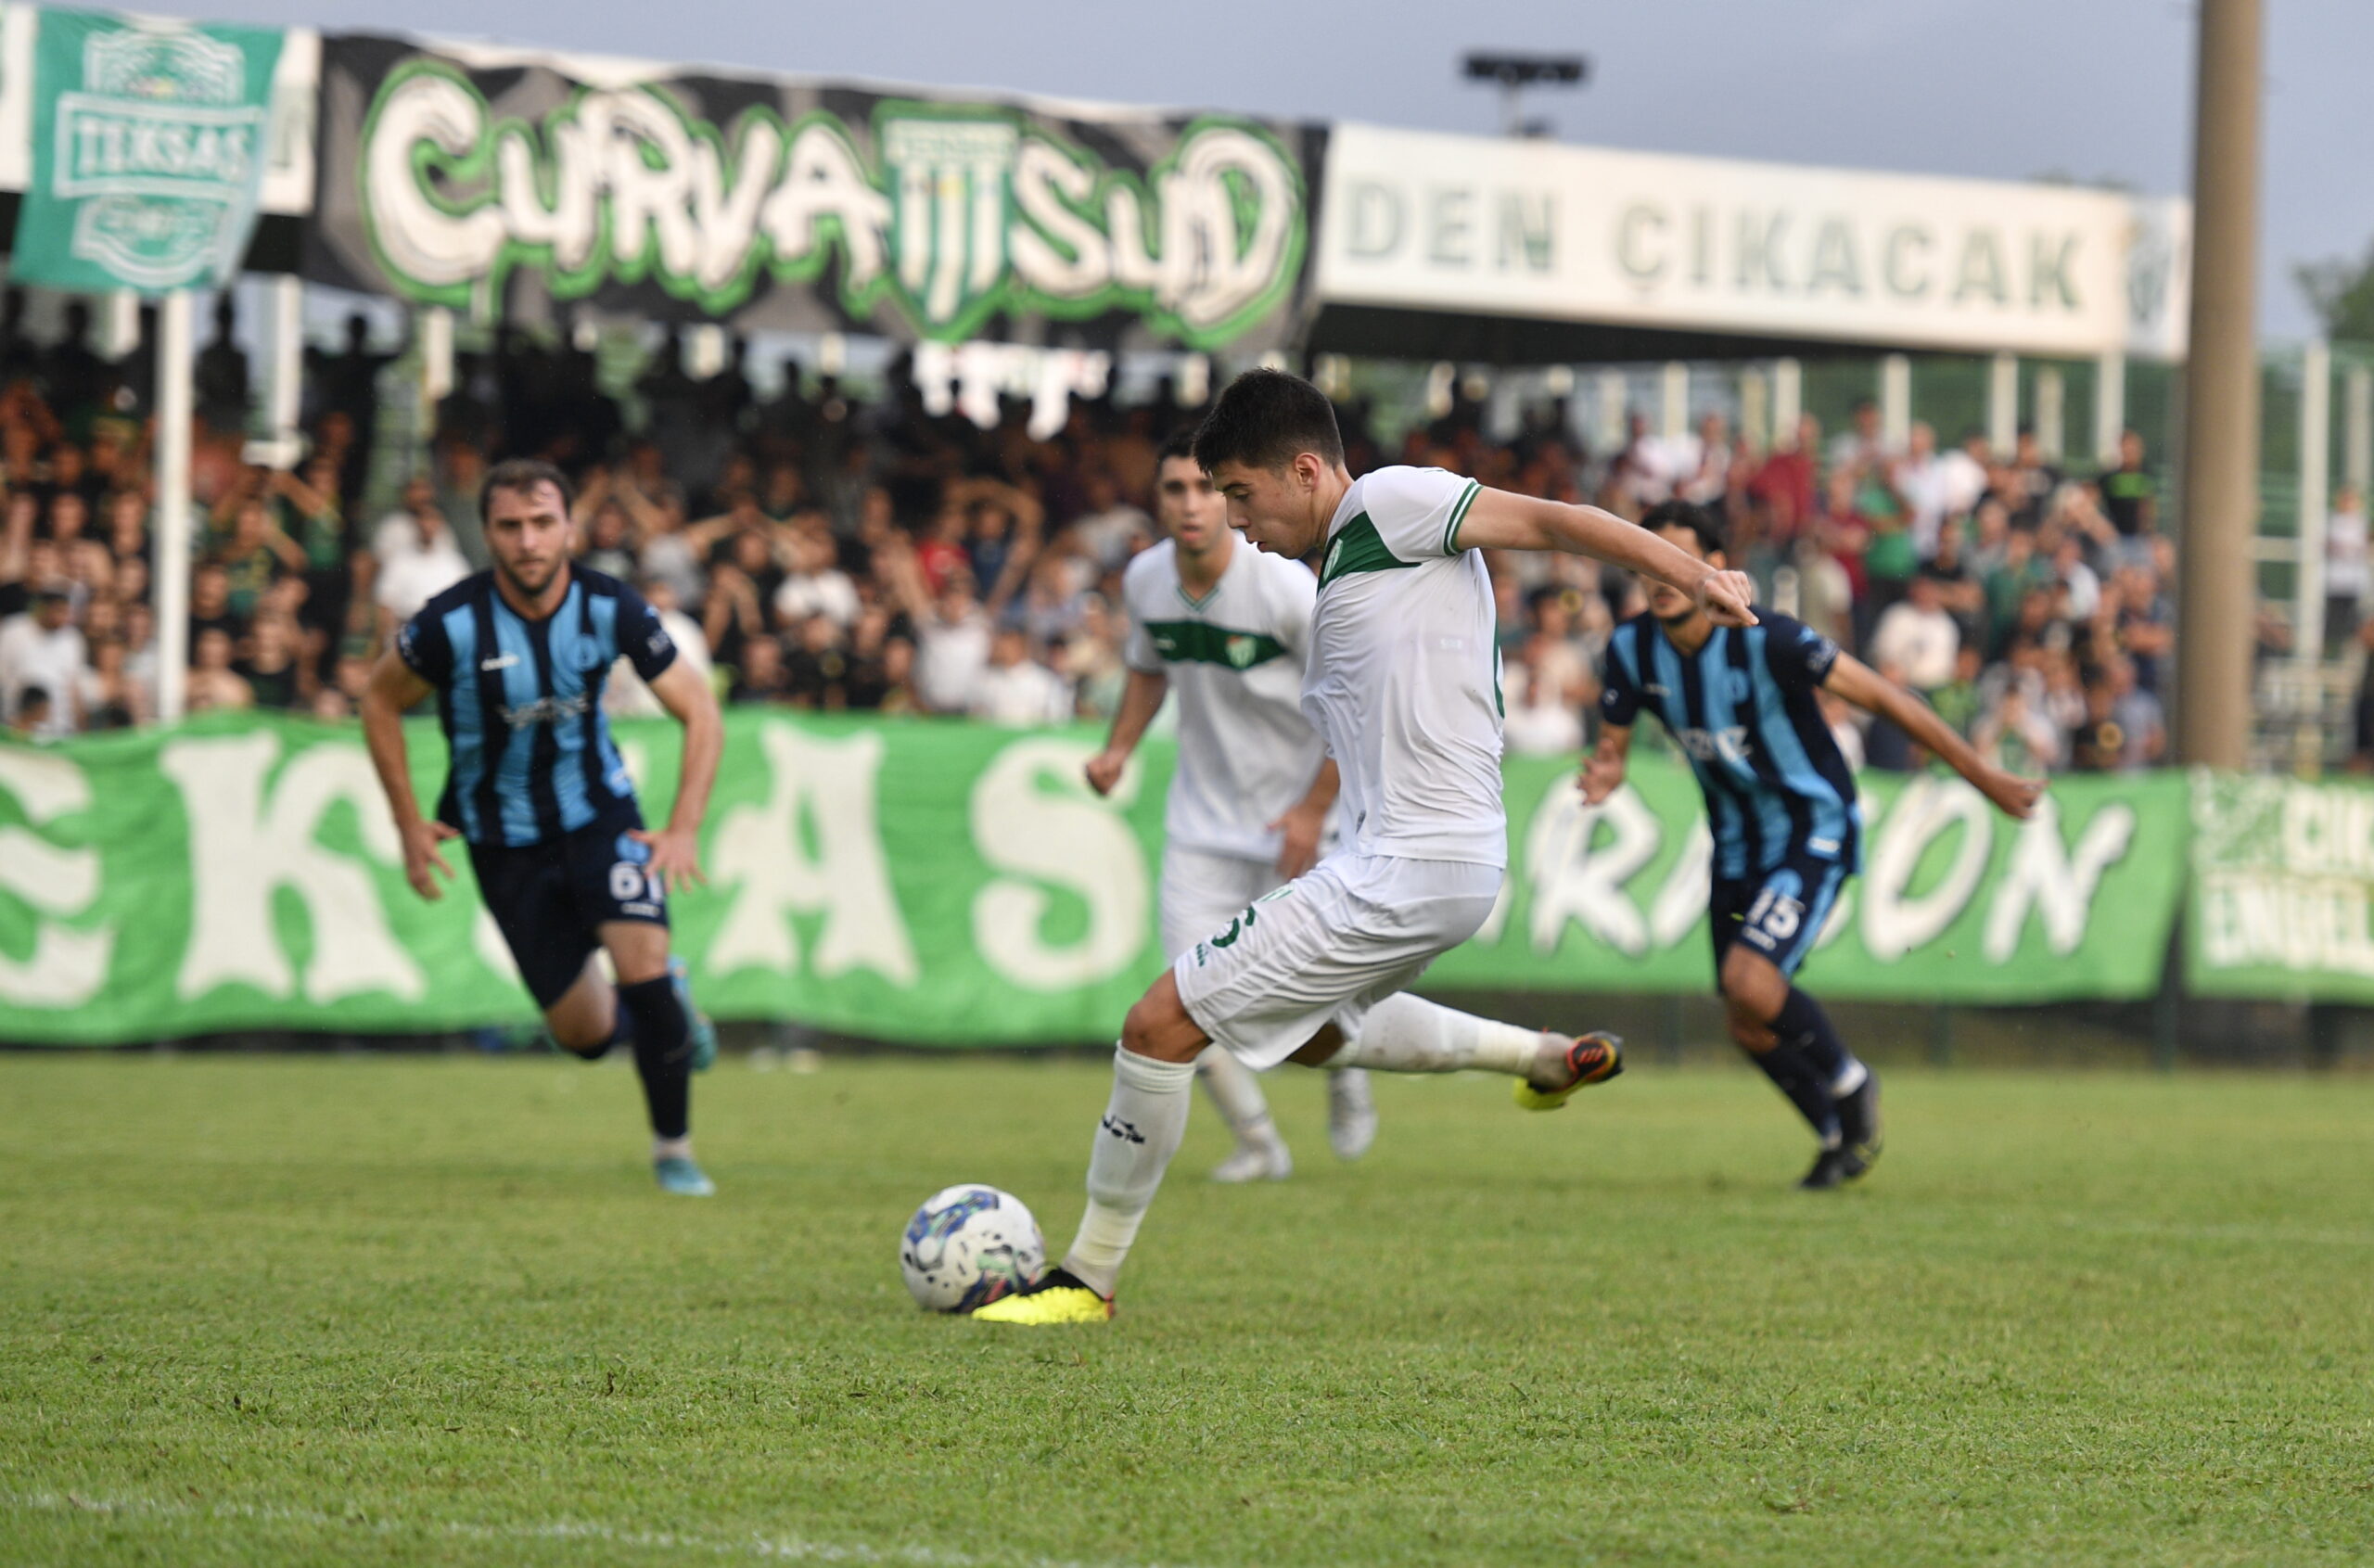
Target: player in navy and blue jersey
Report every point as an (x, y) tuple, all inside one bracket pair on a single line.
[(1781, 804), (517, 658)]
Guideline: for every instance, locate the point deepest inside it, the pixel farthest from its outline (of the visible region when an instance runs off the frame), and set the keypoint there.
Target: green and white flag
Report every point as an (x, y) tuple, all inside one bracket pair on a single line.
[(148, 148)]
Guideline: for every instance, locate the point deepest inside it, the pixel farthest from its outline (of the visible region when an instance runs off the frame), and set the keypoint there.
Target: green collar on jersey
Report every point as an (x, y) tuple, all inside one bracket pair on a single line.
[(1359, 548)]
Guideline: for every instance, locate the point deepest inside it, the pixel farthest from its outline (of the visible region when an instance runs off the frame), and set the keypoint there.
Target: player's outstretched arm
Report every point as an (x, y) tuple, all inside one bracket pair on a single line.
[(1499, 519), (395, 690), (1603, 773), (1141, 700), (676, 850), (1874, 693)]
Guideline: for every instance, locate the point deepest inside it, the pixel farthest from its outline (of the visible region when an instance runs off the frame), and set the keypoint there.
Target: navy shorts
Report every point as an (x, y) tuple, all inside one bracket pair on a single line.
[(1778, 913), (552, 899)]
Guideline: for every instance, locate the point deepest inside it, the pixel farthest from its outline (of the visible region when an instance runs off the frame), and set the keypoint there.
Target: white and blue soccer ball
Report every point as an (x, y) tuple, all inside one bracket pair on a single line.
[(968, 1246)]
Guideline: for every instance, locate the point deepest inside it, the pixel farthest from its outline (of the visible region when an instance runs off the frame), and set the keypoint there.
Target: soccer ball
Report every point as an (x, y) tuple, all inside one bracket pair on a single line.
[(969, 1245)]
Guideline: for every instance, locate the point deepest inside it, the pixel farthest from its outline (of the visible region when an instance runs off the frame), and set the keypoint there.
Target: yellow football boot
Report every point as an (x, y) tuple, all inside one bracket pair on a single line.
[(1059, 1297), (1593, 1058)]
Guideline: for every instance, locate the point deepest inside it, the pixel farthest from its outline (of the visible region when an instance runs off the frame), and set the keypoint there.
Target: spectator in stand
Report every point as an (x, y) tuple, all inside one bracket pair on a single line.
[(212, 684), (1917, 641), (219, 379), (413, 571), (43, 649), (33, 721), (1111, 530), (2129, 497), (2346, 578), (815, 588), (759, 674), (1014, 689), (818, 668), (271, 669)]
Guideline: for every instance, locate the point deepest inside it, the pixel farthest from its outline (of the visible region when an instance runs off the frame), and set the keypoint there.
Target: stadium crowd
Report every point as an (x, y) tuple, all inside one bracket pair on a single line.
[(820, 550)]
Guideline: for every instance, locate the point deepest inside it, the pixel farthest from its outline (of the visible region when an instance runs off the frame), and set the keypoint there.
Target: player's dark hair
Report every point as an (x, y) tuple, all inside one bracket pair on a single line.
[(1264, 419), (1690, 518), (524, 473), (1179, 443)]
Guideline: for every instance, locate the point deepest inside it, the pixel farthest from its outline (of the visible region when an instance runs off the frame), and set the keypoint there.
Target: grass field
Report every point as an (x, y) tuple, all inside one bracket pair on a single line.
[(266, 1310)]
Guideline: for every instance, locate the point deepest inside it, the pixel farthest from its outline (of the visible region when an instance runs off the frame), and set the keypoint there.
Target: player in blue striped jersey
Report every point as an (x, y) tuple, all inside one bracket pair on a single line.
[(517, 658), (1781, 804)]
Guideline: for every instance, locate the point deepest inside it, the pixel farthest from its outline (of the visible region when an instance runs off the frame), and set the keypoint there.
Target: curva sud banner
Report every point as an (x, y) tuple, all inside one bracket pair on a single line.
[(950, 883), (690, 195)]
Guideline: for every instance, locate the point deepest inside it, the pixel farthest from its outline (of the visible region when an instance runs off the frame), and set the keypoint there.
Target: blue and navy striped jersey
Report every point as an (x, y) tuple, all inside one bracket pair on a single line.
[(1742, 710), (521, 703)]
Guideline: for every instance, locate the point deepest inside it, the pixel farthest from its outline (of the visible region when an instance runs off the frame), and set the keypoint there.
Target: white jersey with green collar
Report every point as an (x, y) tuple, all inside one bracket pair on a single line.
[(1404, 682), (1235, 659)]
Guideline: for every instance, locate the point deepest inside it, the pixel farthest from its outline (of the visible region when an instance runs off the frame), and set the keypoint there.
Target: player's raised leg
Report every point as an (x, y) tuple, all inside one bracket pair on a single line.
[(1405, 1033)]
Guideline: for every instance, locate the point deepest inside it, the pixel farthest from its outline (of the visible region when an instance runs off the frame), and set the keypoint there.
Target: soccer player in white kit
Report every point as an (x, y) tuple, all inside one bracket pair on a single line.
[(1227, 629), (1403, 686)]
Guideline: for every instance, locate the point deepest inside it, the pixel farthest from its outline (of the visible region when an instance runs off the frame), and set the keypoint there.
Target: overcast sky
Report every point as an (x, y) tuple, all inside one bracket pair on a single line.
[(2006, 89)]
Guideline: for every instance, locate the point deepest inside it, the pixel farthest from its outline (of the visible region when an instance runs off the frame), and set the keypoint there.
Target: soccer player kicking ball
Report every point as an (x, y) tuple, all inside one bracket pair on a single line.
[(517, 656), (1781, 802), (1403, 687), (1227, 629)]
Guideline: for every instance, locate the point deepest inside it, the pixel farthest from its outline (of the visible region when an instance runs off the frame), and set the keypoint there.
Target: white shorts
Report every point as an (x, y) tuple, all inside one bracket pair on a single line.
[(1326, 948), (1202, 890)]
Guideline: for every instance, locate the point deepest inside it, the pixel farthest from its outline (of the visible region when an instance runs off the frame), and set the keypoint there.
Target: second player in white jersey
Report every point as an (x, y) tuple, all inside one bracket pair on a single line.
[(1233, 659), (1226, 629)]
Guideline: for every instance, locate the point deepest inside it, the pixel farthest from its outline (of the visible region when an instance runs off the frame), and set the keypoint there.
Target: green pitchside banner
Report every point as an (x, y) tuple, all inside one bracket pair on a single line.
[(148, 143), (1956, 903), (2282, 886), (948, 882)]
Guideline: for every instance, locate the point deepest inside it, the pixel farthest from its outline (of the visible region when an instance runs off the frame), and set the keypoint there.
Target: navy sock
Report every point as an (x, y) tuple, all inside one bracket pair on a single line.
[(663, 1053), (1797, 1077), (1803, 1024)]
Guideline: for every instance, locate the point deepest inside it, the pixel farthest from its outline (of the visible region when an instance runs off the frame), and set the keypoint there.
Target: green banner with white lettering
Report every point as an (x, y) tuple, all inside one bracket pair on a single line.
[(1956, 902), (2282, 888), (955, 883), (148, 147)]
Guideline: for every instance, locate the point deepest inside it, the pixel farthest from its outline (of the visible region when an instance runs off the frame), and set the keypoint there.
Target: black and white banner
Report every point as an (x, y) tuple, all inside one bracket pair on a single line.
[(442, 173)]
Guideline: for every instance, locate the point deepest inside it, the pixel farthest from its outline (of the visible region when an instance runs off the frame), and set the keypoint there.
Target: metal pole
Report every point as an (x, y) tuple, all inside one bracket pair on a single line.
[(1610, 427), (171, 568), (2357, 430), (2052, 413), (283, 393), (1755, 411), (2002, 402), (1788, 402), (2221, 454), (1674, 420), (2315, 498), (1896, 401), (2109, 406)]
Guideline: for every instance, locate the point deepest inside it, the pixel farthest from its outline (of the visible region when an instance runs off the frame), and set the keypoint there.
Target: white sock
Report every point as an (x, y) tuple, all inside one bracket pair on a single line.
[(1408, 1034), (1141, 1130), (671, 1149), (1236, 1090)]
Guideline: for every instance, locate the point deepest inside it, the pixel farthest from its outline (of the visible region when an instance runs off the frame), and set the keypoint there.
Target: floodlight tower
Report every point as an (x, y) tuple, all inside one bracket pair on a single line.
[(1516, 73)]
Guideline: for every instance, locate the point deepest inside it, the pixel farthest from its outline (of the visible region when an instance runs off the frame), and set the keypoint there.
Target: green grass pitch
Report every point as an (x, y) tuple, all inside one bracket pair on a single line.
[(429, 1310)]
